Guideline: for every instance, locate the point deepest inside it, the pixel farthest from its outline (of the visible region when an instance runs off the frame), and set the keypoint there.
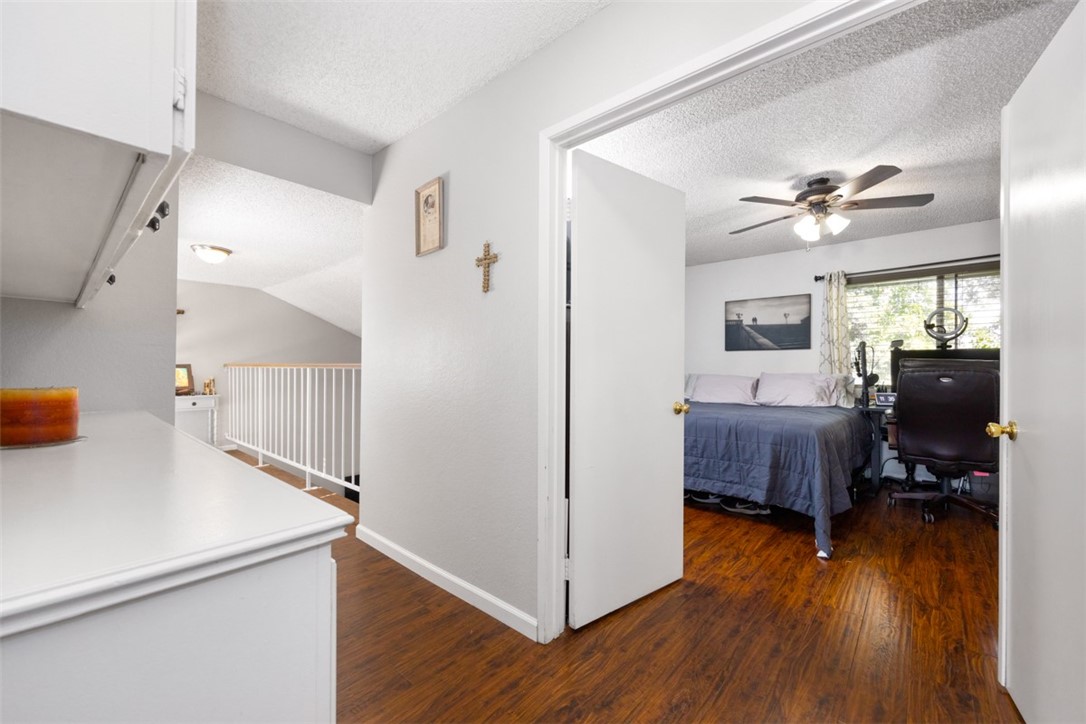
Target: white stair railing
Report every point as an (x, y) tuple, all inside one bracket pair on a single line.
[(304, 415)]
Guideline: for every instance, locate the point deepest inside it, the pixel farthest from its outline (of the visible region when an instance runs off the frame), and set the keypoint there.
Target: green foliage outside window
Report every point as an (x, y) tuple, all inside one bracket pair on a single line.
[(884, 311)]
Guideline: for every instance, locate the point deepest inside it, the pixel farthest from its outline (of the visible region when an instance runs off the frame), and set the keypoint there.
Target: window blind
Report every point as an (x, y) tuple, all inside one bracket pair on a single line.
[(880, 312)]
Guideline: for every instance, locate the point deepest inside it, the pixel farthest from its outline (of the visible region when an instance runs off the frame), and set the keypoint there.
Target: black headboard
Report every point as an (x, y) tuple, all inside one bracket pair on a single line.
[(896, 355)]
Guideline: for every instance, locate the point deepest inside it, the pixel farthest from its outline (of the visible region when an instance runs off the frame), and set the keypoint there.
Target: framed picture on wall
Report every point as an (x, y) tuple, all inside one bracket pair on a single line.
[(182, 380), (768, 323), (429, 217)]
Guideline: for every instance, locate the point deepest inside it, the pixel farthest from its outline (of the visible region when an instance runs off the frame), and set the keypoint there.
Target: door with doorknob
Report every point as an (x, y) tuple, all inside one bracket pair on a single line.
[(628, 276), (1042, 573)]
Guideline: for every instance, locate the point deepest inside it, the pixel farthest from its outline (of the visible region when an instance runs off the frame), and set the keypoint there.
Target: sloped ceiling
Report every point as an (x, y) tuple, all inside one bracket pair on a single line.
[(294, 242), (362, 74), (922, 90)]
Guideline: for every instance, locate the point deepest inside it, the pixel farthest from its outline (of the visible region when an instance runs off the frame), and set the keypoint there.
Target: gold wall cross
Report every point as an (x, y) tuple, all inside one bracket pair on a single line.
[(485, 261)]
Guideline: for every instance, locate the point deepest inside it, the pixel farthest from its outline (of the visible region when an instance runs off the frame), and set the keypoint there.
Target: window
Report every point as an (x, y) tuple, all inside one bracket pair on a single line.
[(882, 310)]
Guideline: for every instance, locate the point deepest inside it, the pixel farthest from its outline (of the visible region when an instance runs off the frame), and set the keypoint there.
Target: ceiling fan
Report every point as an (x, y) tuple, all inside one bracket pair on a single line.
[(821, 202)]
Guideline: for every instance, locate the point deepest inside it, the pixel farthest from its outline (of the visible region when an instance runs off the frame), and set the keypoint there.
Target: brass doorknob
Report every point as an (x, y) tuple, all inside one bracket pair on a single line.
[(679, 408), (994, 429)]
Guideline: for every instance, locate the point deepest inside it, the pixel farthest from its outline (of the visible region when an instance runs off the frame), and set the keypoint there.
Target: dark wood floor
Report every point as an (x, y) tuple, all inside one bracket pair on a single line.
[(899, 626)]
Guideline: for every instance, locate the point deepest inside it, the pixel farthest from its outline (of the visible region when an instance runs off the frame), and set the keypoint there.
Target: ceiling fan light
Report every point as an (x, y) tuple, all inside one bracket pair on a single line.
[(837, 223), (807, 228), (211, 254)]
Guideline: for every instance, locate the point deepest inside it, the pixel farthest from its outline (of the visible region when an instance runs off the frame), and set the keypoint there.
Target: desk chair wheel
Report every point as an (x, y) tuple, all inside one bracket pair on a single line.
[(929, 517), (891, 502)]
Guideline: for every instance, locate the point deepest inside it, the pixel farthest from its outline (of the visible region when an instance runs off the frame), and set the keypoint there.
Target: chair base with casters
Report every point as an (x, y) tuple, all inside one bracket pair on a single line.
[(945, 496)]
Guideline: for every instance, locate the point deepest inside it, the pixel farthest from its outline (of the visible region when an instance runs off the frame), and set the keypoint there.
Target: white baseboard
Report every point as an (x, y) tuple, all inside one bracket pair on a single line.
[(228, 448), (511, 616)]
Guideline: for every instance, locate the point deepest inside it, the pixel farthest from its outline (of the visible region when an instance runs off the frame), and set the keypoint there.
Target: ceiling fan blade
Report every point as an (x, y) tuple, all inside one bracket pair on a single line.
[(771, 221), (764, 200), (887, 202), (865, 181)]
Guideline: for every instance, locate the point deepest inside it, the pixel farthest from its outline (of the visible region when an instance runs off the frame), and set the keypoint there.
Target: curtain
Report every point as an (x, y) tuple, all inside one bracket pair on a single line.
[(835, 352)]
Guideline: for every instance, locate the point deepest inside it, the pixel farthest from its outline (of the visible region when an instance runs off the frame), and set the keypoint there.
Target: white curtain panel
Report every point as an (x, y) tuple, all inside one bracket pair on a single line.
[(835, 352)]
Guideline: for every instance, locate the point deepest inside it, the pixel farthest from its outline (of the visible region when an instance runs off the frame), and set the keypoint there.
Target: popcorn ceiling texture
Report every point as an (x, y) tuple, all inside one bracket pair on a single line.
[(922, 90), (294, 242), (365, 74)]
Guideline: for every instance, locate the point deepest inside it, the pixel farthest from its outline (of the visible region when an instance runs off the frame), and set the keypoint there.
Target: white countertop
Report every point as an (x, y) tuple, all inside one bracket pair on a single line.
[(136, 500)]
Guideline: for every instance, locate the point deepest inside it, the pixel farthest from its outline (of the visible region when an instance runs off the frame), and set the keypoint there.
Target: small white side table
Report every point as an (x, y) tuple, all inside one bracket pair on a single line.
[(198, 415)]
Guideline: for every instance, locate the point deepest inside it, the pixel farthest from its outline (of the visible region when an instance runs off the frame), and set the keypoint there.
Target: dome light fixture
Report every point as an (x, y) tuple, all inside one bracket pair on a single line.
[(211, 254)]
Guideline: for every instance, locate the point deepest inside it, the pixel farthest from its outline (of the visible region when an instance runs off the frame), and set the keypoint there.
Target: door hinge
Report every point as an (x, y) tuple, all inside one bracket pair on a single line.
[(179, 88), (565, 568)]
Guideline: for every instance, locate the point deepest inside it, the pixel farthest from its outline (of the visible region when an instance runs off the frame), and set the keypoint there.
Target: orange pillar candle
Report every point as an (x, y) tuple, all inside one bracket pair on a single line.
[(38, 415)]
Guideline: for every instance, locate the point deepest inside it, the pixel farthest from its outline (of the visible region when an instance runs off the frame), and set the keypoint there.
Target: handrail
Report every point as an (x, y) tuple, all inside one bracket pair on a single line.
[(307, 416), (331, 365)]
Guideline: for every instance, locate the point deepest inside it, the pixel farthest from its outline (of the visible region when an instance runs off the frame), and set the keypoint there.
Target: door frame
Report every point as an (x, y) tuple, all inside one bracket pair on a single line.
[(812, 25)]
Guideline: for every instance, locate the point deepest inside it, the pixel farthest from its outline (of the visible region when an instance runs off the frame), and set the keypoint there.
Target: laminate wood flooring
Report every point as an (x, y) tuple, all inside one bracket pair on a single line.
[(899, 626)]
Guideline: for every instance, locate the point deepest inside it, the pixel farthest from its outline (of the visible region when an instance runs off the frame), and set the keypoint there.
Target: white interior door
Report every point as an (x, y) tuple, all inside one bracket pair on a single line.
[(626, 372), (1043, 543)]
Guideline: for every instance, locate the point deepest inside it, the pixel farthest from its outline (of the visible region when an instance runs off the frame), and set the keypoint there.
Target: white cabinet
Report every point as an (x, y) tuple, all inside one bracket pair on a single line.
[(148, 577), (97, 117), (198, 415)]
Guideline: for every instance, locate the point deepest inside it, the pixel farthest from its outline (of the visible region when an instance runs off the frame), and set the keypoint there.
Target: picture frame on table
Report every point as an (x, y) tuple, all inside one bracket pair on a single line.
[(183, 380)]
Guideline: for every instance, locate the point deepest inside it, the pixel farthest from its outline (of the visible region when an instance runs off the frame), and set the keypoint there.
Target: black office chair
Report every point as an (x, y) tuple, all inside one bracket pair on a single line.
[(942, 408)]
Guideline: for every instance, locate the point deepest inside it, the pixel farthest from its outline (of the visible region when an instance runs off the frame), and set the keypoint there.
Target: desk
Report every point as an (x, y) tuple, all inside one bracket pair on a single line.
[(877, 415)]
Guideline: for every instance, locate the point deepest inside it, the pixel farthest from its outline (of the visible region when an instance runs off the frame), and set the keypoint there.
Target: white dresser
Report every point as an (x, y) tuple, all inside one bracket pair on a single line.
[(198, 415), (147, 577)]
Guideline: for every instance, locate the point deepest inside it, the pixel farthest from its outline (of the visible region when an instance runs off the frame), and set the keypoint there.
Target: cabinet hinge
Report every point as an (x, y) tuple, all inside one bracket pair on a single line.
[(179, 88), (565, 568)]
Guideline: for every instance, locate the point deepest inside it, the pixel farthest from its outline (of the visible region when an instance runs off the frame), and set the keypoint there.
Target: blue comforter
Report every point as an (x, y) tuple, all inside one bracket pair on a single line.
[(800, 458)]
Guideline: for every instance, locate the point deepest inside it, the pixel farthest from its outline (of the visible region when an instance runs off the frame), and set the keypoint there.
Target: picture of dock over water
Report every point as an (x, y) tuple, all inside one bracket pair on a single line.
[(768, 323)]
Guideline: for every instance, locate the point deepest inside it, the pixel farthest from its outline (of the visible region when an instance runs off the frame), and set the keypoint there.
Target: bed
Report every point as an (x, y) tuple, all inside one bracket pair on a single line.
[(800, 458)]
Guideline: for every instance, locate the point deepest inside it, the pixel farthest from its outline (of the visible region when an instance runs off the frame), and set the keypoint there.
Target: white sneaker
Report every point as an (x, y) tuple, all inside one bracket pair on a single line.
[(745, 507)]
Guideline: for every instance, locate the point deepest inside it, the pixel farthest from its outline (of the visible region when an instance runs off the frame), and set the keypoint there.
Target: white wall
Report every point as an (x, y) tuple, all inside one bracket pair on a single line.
[(708, 286), (119, 351), (449, 396), (224, 324)]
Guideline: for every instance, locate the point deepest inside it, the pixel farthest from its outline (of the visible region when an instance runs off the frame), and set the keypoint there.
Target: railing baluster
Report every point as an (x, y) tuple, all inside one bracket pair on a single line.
[(289, 413), (354, 468), (305, 441)]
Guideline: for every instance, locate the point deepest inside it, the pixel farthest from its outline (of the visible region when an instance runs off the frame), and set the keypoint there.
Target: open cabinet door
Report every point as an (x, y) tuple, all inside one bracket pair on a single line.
[(628, 282), (1043, 546)]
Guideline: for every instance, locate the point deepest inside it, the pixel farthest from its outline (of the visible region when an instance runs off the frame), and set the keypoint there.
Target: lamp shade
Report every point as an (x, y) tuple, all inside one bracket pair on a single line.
[(807, 228), (211, 254), (837, 223)]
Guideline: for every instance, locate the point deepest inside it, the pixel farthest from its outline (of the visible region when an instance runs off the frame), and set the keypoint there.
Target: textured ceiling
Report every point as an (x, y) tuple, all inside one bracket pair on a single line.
[(922, 90), (365, 74), (294, 242)]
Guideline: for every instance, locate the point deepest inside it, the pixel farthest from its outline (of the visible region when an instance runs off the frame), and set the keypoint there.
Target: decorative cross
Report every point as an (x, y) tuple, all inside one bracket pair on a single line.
[(485, 261)]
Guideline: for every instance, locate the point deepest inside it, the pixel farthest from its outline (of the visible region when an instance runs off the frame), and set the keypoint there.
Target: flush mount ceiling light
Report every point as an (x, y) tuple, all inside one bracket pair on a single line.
[(211, 254)]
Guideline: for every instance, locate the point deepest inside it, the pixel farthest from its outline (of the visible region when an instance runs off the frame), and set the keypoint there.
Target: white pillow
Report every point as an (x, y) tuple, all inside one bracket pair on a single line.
[(689, 389), (798, 389), (736, 389)]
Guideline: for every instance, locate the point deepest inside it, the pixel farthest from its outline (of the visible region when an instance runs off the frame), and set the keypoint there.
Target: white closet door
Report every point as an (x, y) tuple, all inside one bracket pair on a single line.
[(626, 373), (1043, 547)]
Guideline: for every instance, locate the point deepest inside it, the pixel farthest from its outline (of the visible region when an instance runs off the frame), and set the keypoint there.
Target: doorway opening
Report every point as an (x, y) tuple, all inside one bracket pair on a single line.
[(589, 136)]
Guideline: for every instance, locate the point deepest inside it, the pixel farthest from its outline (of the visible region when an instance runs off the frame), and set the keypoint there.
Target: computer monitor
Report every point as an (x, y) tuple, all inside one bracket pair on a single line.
[(896, 355)]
